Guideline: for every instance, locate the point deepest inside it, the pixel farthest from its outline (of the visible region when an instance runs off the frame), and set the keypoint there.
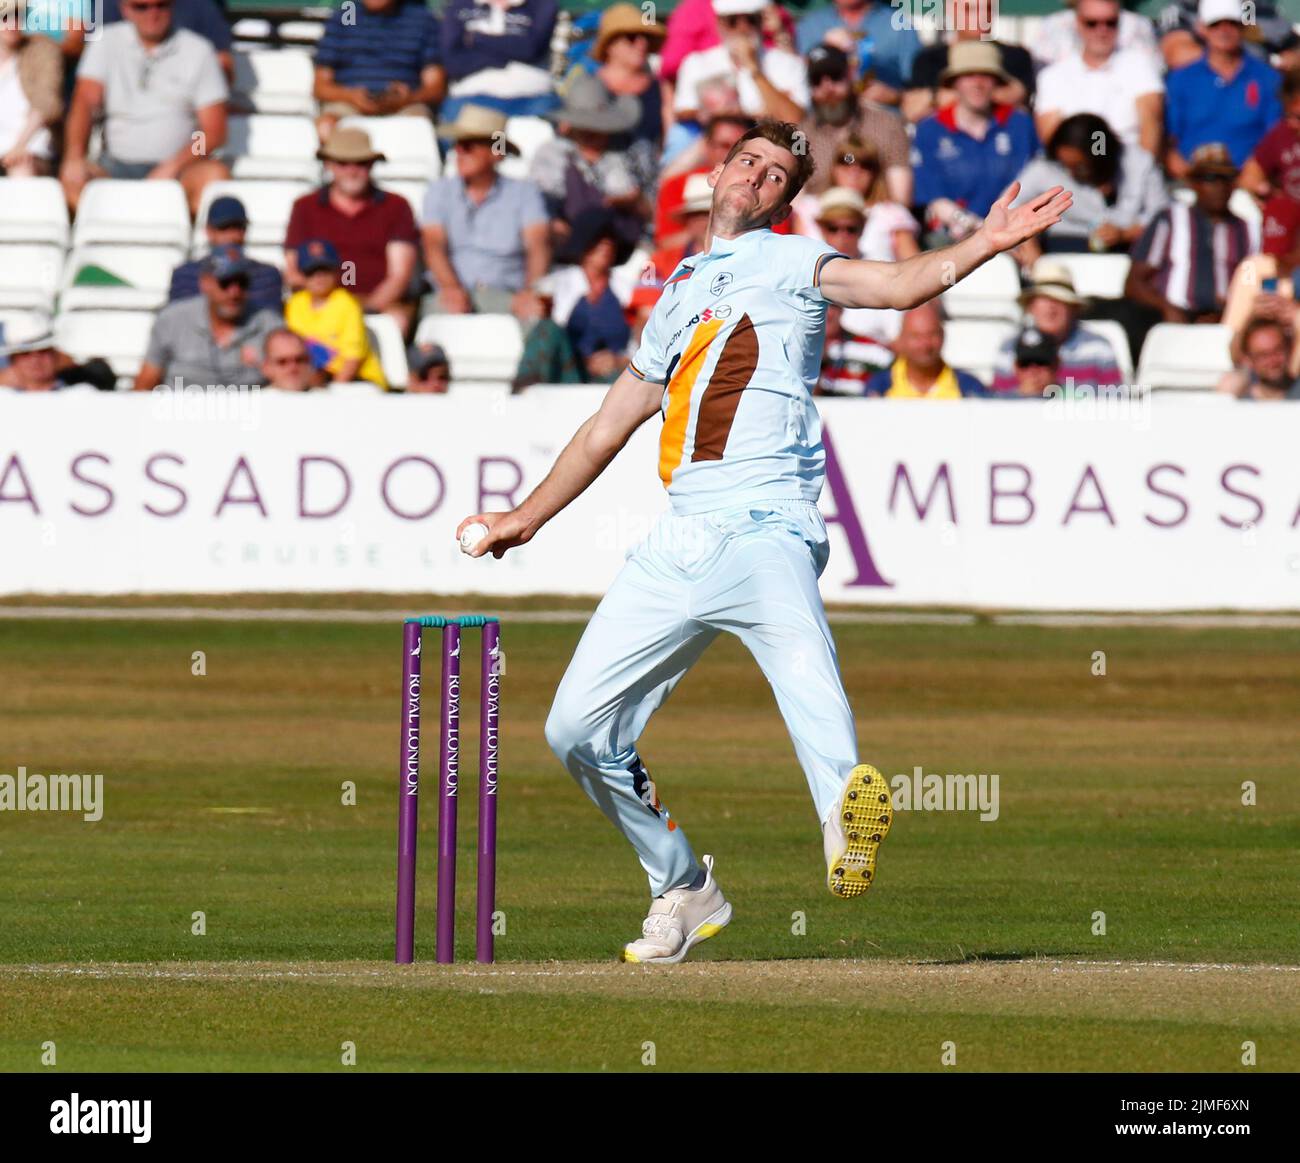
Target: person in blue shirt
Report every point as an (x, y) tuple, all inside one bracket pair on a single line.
[(499, 55), (883, 51), (227, 225), (377, 58), (1227, 96), (967, 153)]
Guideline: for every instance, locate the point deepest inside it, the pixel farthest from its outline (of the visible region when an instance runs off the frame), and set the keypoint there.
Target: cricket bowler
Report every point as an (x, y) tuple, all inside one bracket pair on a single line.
[(728, 361)]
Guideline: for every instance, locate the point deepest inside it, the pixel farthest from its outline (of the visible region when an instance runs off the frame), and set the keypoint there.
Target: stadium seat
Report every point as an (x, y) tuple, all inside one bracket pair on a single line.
[(153, 213), (30, 273), (121, 337), (34, 211), (478, 347), (271, 146), (100, 277), (413, 192), (275, 81), (1118, 337), (972, 345), (988, 292), (527, 134), (268, 205), (302, 31), (1096, 276), (407, 143), (386, 338), (1185, 355)]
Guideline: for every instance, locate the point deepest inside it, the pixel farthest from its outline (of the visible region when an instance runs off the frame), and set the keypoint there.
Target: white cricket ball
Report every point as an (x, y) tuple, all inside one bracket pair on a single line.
[(472, 536)]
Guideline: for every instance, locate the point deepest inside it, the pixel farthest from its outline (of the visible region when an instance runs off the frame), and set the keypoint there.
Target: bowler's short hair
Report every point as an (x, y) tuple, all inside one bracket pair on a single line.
[(789, 137)]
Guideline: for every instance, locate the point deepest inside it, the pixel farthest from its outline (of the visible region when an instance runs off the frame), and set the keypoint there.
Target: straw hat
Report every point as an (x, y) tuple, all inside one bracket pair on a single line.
[(625, 20), (839, 202), (973, 56), (697, 196), (349, 144), (1052, 280), (478, 123)]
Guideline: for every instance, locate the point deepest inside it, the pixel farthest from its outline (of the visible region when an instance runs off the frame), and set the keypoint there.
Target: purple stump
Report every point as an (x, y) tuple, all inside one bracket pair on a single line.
[(408, 792), (447, 787), (489, 726)]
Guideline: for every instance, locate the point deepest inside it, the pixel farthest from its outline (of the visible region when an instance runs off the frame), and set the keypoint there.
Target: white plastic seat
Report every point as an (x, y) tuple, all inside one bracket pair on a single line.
[(275, 81), (33, 210), (478, 347), (1185, 355), (30, 273), (413, 192), (528, 134), (302, 31), (1096, 276), (268, 205), (988, 292), (386, 339), (146, 271), (146, 212), (272, 147), (408, 144), (121, 337), (972, 345), (1113, 331)]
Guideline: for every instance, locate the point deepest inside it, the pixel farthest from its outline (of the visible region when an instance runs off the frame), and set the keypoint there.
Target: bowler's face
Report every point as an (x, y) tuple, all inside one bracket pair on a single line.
[(751, 188)]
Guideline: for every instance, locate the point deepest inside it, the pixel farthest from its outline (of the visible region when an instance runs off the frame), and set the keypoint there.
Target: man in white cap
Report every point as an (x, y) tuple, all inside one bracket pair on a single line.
[(765, 82), (1227, 96), (729, 360), (1052, 305)]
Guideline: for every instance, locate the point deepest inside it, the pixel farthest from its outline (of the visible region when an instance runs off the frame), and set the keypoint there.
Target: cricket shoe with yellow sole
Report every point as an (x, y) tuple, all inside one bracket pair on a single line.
[(854, 831), (679, 919)]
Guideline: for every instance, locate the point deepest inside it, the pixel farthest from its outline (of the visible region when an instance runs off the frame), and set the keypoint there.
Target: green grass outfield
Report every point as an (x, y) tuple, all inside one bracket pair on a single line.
[(223, 795)]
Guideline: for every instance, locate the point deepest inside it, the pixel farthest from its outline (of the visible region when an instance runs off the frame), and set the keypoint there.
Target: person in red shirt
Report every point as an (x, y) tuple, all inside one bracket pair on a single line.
[(692, 219), (373, 231), (1272, 174)]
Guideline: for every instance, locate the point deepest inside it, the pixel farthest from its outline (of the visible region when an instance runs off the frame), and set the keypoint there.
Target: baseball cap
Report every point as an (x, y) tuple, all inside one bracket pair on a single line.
[(825, 60), (227, 211), (1213, 11), (226, 262), (317, 255), (1036, 349), (429, 355)]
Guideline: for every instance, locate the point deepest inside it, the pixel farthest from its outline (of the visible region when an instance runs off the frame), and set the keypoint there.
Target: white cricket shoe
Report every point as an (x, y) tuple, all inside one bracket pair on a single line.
[(682, 917), (853, 832)]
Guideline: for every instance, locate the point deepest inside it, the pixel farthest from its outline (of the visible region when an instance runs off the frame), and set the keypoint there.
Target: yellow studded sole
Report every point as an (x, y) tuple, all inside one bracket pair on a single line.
[(866, 813)]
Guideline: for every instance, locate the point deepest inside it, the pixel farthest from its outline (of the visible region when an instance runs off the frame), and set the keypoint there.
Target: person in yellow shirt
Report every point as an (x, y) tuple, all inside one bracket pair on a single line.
[(920, 372), (331, 320)]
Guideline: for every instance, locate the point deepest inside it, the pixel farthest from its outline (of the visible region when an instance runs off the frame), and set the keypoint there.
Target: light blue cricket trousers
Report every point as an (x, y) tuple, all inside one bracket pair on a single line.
[(751, 571)]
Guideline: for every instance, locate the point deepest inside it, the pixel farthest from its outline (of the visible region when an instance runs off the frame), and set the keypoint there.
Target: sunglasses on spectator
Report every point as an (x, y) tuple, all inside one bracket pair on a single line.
[(1108, 22), (473, 142), (842, 227), (289, 359), (150, 6), (739, 19), (234, 281)]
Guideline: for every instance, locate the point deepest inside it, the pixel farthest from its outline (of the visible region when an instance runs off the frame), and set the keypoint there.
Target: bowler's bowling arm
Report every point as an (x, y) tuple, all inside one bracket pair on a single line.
[(628, 404)]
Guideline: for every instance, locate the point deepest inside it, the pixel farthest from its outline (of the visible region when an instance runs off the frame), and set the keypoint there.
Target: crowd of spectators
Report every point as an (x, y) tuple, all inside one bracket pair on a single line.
[(1159, 127)]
